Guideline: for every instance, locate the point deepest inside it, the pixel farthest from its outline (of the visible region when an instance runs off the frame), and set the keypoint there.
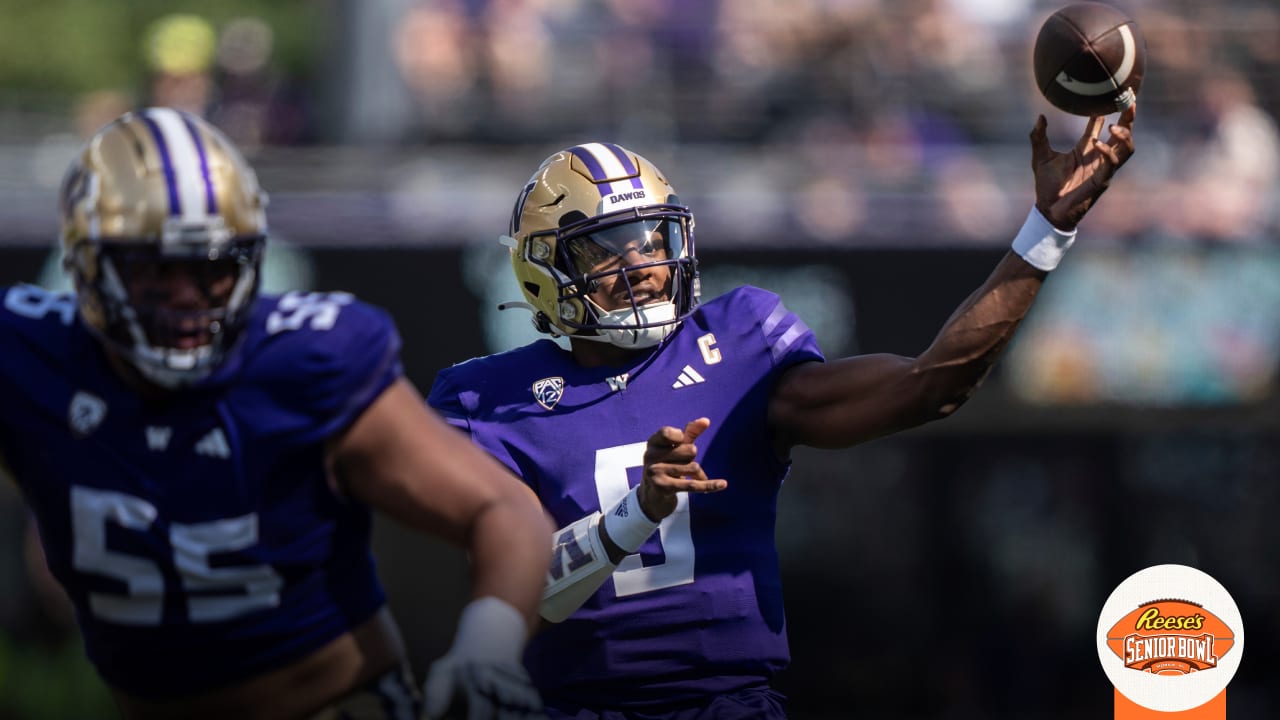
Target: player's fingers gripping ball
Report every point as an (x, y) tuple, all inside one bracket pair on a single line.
[(1089, 59), (481, 677)]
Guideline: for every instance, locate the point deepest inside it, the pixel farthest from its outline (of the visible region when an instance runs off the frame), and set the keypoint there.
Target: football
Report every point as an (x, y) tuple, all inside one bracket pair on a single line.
[(1089, 58)]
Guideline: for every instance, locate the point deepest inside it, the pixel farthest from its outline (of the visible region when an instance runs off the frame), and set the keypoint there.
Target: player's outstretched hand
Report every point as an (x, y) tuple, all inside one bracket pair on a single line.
[(481, 677), (460, 689), (669, 468), (1069, 183)]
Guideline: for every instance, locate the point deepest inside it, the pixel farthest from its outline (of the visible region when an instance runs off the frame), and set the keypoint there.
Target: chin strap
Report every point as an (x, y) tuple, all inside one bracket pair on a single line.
[(636, 328), (540, 322)]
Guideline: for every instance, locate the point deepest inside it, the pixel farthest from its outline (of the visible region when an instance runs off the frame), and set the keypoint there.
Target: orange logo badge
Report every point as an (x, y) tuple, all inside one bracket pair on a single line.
[(1170, 637)]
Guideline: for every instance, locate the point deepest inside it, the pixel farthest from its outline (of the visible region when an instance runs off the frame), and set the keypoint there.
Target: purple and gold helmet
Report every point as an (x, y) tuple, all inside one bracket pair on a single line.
[(583, 210), (155, 188)]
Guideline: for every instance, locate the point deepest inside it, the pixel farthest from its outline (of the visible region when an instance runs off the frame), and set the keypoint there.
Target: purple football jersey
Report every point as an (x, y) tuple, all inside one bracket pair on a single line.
[(698, 611), (198, 539)]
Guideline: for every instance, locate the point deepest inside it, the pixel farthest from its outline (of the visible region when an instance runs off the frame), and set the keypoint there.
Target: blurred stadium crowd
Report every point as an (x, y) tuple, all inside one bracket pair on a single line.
[(810, 136), (859, 100), (841, 122)]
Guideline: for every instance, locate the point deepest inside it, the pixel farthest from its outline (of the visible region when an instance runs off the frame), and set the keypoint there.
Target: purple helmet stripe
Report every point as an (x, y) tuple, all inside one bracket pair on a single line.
[(175, 207), (211, 201), (622, 158), (626, 164), (593, 166)]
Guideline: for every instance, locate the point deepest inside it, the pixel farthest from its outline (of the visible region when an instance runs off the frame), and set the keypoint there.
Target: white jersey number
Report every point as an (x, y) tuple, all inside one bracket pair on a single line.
[(246, 587), (297, 308), (34, 302), (674, 532)]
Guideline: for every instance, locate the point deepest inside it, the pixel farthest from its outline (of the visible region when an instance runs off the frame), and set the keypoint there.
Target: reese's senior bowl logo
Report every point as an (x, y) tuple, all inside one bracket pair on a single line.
[(1170, 638)]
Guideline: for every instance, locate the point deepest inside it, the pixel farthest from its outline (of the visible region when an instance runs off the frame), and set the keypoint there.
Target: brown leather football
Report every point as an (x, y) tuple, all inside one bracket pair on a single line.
[(1089, 59)]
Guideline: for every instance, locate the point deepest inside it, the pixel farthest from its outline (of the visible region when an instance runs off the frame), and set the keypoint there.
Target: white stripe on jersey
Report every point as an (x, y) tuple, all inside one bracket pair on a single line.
[(775, 317), (794, 333), (186, 163)]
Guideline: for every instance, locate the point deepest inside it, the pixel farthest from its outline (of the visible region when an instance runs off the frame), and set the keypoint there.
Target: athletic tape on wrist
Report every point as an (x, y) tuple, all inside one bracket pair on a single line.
[(579, 566), (627, 525), (489, 630), (1040, 243)]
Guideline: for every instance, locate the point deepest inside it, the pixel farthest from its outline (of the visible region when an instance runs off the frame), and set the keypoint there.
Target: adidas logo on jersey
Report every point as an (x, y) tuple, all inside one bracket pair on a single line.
[(213, 444), (688, 376)]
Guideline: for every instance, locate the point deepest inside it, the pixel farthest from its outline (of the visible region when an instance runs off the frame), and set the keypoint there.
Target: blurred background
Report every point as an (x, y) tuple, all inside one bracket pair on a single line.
[(866, 159)]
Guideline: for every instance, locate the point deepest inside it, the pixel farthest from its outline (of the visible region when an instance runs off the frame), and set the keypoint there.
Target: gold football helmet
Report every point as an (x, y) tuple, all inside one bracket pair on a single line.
[(156, 193), (584, 212)]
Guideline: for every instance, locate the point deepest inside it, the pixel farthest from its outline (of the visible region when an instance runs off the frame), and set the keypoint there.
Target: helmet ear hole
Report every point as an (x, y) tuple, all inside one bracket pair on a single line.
[(532, 288), (572, 217)]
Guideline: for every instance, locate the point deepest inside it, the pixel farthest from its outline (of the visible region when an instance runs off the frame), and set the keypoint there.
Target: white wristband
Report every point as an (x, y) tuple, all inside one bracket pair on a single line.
[(1040, 243), (627, 525), (489, 630)]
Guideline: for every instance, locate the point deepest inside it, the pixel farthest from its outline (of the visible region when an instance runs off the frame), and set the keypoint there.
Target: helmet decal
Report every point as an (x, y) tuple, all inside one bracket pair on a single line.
[(186, 168), (607, 162), (615, 175), (519, 209)]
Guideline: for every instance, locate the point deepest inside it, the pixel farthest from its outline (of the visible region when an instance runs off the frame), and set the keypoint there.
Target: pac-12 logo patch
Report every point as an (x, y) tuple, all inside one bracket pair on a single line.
[(85, 413), (1170, 638), (548, 391)]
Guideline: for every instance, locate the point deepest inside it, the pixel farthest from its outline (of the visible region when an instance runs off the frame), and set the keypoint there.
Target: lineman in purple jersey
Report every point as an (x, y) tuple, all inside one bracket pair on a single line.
[(687, 622), (202, 460)]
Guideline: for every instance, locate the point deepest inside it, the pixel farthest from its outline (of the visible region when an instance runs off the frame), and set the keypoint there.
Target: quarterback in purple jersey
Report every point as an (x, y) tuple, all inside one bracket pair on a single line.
[(687, 622), (202, 460)]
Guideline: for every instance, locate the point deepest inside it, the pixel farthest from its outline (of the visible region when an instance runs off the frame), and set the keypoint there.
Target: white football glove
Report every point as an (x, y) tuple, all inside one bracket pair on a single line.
[(481, 677)]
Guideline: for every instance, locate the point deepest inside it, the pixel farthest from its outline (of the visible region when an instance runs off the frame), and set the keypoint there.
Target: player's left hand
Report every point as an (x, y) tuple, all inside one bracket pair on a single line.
[(1068, 183), (670, 468), (465, 689), (481, 677)]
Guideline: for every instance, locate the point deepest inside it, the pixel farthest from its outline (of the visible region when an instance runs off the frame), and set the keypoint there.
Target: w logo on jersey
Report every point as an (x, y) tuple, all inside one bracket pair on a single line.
[(548, 391)]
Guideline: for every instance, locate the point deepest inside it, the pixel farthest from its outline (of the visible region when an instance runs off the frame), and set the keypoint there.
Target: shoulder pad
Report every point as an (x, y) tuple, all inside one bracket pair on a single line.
[(325, 356)]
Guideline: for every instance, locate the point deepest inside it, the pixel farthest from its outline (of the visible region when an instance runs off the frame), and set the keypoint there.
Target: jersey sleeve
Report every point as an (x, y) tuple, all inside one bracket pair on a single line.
[(35, 344), (456, 395), (787, 338), (446, 398), (330, 366)]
